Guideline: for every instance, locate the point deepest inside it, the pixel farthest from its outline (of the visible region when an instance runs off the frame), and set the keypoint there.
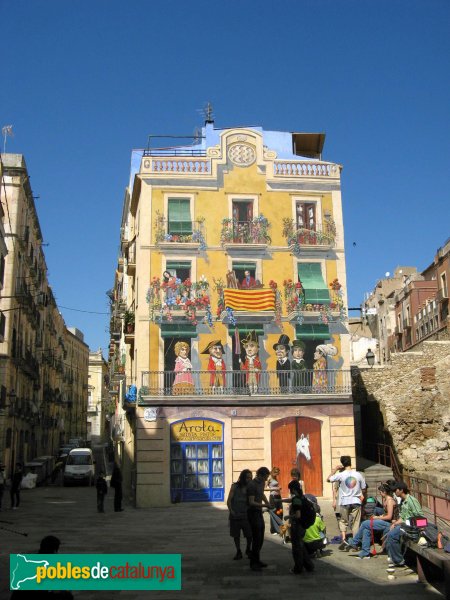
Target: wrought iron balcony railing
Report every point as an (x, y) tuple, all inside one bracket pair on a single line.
[(242, 383), (245, 232)]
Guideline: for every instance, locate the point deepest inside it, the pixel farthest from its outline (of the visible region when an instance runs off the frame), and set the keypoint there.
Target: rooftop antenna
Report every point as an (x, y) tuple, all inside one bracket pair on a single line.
[(7, 130), (197, 135), (207, 113)]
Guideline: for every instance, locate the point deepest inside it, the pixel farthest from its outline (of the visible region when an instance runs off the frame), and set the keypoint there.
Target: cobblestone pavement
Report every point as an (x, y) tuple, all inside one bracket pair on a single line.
[(200, 533)]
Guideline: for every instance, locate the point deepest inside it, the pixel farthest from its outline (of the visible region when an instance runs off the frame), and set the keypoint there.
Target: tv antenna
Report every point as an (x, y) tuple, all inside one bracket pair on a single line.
[(7, 131), (207, 113)]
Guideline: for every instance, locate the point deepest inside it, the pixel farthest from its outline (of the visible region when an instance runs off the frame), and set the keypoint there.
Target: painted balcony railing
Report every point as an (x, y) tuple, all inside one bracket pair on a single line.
[(191, 232), (177, 166), (289, 168), (296, 238), (242, 383), (187, 299), (245, 232)]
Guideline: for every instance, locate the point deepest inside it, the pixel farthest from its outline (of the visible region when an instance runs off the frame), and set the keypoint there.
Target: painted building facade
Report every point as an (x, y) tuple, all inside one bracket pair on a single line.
[(234, 242)]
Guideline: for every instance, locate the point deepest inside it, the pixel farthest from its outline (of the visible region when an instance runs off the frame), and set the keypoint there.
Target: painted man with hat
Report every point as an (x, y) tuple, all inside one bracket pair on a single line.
[(252, 364), (283, 364), (298, 365), (216, 365)]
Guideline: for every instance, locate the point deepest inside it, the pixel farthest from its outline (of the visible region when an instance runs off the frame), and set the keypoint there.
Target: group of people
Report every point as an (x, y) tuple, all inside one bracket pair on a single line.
[(291, 372), (247, 500), (397, 507)]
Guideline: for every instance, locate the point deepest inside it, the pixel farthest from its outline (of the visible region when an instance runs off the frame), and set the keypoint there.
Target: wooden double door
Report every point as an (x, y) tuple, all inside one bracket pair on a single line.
[(288, 435)]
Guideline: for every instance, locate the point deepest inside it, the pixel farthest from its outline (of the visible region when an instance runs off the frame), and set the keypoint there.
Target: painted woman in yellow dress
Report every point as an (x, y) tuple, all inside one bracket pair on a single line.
[(320, 375)]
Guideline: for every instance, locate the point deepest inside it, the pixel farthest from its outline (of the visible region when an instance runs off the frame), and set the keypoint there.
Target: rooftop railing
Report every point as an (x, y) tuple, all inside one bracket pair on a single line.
[(262, 383)]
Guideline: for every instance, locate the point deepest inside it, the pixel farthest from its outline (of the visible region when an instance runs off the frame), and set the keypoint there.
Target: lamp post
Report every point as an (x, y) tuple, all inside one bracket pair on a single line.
[(370, 357), (12, 408)]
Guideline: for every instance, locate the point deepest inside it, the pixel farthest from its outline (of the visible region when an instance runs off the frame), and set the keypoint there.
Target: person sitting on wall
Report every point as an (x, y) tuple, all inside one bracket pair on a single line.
[(216, 365)]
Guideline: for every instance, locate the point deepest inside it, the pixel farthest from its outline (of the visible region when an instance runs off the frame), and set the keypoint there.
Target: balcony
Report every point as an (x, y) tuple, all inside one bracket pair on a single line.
[(188, 236), (312, 239), (176, 300), (442, 295), (406, 324), (131, 258), (245, 236), (158, 387)]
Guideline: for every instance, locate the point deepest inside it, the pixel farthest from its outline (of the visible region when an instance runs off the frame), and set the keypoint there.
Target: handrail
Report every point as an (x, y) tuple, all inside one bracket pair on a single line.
[(272, 383)]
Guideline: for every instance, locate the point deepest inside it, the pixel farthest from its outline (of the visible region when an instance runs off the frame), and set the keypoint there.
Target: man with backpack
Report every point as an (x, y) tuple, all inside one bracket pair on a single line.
[(352, 488), (302, 515)]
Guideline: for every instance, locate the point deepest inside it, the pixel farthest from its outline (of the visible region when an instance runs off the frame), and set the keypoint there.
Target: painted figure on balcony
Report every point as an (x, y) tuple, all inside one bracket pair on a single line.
[(183, 382), (249, 282), (320, 374), (298, 365), (283, 364), (251, 364), (216, 365)]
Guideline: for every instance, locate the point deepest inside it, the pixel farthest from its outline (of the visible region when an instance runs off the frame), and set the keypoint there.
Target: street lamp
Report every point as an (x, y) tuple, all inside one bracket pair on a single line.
[(370, 357), (12, 409)]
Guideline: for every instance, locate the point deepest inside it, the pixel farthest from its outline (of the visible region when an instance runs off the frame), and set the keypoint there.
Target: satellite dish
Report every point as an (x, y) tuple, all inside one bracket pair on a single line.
[(387, 274)]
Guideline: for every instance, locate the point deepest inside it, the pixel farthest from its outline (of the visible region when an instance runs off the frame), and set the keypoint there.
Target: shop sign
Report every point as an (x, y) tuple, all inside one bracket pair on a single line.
[(196, 430)]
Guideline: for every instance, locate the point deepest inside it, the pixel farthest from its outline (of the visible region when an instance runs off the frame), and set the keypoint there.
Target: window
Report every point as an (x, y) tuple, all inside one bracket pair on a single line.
[(179, 269), (242, 211), (314, 286), (306, 215), (179, 216), (444, 286), (2, 269), (240, 268), (2, 326)]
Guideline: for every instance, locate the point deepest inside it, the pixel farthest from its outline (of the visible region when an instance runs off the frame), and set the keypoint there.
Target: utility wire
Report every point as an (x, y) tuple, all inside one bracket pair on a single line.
[(91, 312)]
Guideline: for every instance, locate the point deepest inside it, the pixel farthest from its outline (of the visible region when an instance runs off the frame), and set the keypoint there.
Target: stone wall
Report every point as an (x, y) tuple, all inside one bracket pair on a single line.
[(413, 396)]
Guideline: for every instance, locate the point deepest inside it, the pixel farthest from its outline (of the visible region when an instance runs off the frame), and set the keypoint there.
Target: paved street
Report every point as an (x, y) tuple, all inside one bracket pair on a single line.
[(200, 534)]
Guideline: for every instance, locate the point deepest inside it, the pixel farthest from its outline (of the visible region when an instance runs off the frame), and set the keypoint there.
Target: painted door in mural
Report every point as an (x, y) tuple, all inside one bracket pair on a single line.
[(296, 442)]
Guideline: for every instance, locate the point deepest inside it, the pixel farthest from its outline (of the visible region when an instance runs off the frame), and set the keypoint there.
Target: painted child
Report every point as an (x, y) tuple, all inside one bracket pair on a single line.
[(183, 382), (216, 365), (252, 364), (298, 365)]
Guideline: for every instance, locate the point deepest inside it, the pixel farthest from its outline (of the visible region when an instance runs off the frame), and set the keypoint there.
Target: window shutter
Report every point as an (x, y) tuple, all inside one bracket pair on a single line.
[(315, 288), (179, 216)]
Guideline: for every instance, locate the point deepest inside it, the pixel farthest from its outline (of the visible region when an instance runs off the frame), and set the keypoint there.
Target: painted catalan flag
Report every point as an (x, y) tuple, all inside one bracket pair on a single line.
[(253, 300)]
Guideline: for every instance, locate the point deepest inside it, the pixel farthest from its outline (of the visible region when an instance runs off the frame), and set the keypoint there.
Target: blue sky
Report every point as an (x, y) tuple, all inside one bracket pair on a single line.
[(85, 82)]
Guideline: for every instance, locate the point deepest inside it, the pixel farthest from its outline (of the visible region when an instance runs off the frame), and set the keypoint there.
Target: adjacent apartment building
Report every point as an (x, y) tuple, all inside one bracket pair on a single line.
[(43, 364), (232, 255)]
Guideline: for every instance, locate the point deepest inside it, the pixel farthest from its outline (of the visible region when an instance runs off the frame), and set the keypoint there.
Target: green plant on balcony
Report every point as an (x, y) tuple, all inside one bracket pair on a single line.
[(159, 227), (245, 232), (174, 296), (128, 321), (219, 286), (294, 296)]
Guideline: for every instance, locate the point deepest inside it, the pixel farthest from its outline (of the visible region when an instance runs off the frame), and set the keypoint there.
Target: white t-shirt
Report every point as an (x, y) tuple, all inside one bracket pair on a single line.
[(351, 484)]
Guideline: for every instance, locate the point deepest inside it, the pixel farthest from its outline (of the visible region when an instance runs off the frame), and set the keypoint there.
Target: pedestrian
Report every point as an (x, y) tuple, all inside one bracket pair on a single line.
[(273, 486), (102, 490), (2, 483), (16, 480), (237, 505), (49, 545), (298, 529), (116, 483), (409, 508), (352, 487), (256, 501), (297, 476)]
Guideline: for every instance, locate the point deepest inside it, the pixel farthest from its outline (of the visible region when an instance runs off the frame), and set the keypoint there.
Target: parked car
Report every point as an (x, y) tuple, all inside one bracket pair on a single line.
[(80, 467)]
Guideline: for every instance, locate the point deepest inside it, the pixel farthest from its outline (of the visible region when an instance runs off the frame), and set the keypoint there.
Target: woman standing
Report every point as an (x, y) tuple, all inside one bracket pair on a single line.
[(183, 382), (237, 505), (320, 375), (274, 488)]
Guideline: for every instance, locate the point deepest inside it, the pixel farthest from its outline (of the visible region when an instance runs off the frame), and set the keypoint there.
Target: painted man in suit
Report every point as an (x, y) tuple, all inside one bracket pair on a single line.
[(298, 365), (283, 364), (216, 365), (252, 364)]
